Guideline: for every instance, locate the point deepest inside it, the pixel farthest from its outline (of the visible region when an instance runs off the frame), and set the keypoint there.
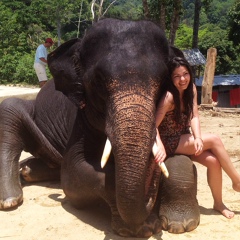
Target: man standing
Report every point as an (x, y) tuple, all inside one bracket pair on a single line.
[(40, 62)]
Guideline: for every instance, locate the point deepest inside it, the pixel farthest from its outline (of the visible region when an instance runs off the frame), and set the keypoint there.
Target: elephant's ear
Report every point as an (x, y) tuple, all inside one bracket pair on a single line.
[(64, 64), (175, 52)]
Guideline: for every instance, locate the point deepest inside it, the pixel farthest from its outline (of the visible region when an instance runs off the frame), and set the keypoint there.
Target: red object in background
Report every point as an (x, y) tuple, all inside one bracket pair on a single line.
[(235, 96), (214, 96)]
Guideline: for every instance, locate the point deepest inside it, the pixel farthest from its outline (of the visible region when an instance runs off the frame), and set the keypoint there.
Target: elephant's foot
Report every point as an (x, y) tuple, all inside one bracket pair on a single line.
[(35, 170), (11, 202), (179, 210), (179, 216), (174, 226), (11, 194), (150, 227)]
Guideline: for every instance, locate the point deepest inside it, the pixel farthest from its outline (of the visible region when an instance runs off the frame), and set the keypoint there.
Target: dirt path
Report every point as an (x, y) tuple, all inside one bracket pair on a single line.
[(46, 214)]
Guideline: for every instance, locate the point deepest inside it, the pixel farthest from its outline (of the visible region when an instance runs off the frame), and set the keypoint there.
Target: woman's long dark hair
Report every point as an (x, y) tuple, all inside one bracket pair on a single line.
[(188, 93)]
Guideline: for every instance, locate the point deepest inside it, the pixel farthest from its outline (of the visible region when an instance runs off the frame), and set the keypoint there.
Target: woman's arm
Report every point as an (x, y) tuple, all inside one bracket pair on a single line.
[(165, 105), (195, 125), (160, 152)]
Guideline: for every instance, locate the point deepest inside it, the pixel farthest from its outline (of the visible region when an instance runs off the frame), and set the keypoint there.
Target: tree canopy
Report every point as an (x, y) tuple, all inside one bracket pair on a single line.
[(27, 23)]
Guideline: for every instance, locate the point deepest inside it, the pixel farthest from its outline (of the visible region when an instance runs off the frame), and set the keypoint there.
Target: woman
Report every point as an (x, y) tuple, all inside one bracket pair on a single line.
[(177, 114)]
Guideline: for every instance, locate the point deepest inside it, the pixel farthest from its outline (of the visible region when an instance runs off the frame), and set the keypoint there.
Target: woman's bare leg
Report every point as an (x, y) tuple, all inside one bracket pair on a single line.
[(218, 149), (214, 178), (214, 144)]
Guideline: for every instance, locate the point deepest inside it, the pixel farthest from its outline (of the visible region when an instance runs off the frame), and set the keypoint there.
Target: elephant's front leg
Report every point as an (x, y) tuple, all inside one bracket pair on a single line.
[(179, 210), (11, 147), (11, 193), (16, 127), (82, 178)]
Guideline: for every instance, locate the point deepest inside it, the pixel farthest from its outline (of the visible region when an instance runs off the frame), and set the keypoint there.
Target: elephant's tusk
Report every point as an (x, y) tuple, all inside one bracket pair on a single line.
[(108, 148), (106, 153), (164, 169), (160, 164)]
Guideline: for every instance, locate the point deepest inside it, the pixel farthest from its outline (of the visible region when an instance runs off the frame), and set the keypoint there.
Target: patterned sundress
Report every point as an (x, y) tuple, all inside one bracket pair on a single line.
[(170, 131)]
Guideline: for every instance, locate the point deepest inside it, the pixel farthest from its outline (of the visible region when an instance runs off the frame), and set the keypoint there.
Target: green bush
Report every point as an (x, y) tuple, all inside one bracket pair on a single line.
[(24, 71)]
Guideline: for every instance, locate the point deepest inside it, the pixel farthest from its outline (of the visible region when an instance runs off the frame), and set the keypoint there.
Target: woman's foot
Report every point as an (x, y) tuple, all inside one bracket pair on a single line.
[(224, 211), (236, 187)]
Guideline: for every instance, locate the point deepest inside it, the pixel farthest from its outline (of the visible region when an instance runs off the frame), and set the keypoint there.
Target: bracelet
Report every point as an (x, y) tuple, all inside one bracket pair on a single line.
[(199, 138)]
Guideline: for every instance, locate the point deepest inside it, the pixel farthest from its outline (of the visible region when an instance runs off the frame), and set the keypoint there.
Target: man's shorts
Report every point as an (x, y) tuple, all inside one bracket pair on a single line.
[(40, 71)]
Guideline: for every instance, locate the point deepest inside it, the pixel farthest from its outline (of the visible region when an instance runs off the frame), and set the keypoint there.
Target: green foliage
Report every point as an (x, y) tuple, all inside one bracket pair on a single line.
[(216, 10), (124, 9), (226, 53), (213, 11), (154, 7), (24, 71), (11, 44), (234, 22), (184, 37), (214, 32), (70, 27), (25, 24), (188, 12)]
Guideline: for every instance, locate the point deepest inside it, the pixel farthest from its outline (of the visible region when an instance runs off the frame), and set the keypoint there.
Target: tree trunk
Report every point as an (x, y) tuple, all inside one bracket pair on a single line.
[(59, 31), (198, 6), (162, 14), (209, 76), (100, 9), (175, 21), (94, 18), (145, 9)]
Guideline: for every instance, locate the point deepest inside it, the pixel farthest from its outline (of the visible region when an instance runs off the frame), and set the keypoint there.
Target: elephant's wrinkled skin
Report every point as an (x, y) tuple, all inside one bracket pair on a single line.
[(113, 76)]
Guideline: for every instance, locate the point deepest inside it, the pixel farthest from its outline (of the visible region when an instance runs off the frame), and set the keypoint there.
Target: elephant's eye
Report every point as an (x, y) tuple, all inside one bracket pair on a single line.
[(95, 85)]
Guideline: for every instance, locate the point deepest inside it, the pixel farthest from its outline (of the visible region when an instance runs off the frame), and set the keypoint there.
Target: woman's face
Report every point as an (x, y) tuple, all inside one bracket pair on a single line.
[(181, 78)]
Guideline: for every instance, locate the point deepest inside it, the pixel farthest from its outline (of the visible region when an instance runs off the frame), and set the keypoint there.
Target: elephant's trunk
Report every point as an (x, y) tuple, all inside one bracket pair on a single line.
[(131, 130)]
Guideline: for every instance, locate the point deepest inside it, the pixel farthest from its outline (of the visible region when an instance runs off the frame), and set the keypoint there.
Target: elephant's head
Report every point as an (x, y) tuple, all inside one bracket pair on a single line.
[(114, 75)]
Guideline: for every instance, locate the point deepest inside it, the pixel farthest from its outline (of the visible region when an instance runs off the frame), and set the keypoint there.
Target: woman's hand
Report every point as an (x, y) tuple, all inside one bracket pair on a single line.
[(198, 143), (160, 154)]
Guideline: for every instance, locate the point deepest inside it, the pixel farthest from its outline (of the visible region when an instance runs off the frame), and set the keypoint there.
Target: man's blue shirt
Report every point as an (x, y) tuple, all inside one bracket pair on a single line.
[(41, 52)]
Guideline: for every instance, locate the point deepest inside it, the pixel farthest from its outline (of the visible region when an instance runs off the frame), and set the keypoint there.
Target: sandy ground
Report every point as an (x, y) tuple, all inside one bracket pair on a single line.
[(46, 214)]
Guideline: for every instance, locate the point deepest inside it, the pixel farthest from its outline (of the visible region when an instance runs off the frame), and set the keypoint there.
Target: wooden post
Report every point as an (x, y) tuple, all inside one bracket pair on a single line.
[(209, 76)]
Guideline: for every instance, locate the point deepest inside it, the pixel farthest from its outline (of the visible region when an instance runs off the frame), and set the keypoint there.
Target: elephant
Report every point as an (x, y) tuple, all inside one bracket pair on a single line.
[(105, 87)]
